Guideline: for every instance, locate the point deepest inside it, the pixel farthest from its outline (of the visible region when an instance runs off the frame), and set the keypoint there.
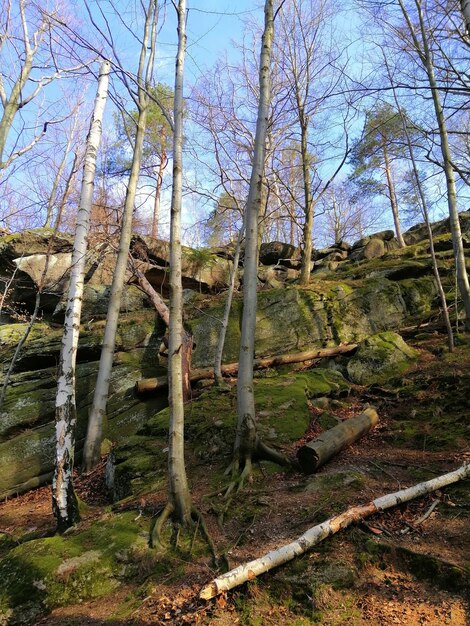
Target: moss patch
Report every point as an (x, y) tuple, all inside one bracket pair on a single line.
[(46, 573), (380, 358)]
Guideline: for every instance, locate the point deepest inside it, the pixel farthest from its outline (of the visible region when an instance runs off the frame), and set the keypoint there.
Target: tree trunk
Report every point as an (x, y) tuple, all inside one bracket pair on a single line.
[(178, 343), (317, 534), (306, 262), (91, 450), (393, 197), (246, 436), (158, 192), (228, 305), (149, 385), (317, 452), (425, 55), (64, 502), (424, 208), (465, 8), (164, 312)]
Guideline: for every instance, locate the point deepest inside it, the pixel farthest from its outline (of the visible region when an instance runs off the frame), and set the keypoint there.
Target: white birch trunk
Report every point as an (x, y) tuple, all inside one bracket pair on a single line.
[(315, 535), (178, 485), (64, 502), (92, 446), (246, 425)]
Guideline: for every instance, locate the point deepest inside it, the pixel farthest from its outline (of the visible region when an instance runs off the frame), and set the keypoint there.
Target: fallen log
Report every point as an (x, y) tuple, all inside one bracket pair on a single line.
[(149, 385), (316, 453), (315, 535)]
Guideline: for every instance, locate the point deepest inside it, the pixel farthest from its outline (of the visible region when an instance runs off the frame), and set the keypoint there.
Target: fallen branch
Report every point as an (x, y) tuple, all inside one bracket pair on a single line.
[(318, 533), (316, 453), (149, 385)]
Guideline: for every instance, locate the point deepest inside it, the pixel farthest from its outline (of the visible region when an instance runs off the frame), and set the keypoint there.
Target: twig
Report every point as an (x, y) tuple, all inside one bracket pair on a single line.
[(424, 517)]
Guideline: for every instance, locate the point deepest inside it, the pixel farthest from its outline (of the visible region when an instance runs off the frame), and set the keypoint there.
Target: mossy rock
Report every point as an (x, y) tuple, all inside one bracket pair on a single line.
[(210, 422), (28, 435), (281, 402), (379, 358), (139, 464), (96, 300), (47, 573)]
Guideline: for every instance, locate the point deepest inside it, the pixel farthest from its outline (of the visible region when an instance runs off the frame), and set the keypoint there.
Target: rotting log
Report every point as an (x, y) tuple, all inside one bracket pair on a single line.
[(316, 453), (313, 536), (150, 385)]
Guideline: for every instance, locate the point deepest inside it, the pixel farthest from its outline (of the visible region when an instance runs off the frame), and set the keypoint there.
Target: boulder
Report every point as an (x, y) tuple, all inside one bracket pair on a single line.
[(42, 574), (283, 416), (276, 252), (419, 232), (373, 249), (379, 358), (54, 279)]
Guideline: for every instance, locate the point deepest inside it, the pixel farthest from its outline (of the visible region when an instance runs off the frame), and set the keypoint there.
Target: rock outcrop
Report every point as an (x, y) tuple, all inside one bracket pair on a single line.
[(373, 294)]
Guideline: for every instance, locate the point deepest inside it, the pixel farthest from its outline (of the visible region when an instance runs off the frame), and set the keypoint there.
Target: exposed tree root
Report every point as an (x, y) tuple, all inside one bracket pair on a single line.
[(262, 453), (155, 535), (201, 525)]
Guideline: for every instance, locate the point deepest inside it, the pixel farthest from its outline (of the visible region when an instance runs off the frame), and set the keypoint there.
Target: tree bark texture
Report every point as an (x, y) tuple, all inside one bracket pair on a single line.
[(91, 450), (180, 497), (64, 502), (315, 535), (245, 441), (319, 451)]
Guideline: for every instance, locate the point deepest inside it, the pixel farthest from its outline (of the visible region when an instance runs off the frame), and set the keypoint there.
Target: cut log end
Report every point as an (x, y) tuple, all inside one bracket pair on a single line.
[(209, 591)]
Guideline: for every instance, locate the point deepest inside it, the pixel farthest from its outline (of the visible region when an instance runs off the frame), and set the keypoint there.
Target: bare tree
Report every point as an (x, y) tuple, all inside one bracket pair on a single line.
[(28, 43), (144, 75), (418, 34), (64, 502), (247, 442)]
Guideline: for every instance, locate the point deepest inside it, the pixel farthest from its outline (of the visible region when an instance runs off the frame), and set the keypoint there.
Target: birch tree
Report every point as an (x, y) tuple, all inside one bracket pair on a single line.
[(64, 502), (91, 453)]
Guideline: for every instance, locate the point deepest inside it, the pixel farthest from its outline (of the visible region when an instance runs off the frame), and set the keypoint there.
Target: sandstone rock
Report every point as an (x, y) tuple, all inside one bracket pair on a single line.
[(96, 300), (58, 266), (373, 249), (380, 358), (275, 252)]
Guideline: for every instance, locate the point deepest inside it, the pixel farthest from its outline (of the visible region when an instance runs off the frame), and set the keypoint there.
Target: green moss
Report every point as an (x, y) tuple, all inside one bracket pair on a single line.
[(381, 357), (281, 402), (45, 573)]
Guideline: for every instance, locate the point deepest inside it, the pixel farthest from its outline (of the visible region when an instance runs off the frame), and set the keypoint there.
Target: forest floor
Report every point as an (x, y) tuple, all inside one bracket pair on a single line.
[(393, 569)]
